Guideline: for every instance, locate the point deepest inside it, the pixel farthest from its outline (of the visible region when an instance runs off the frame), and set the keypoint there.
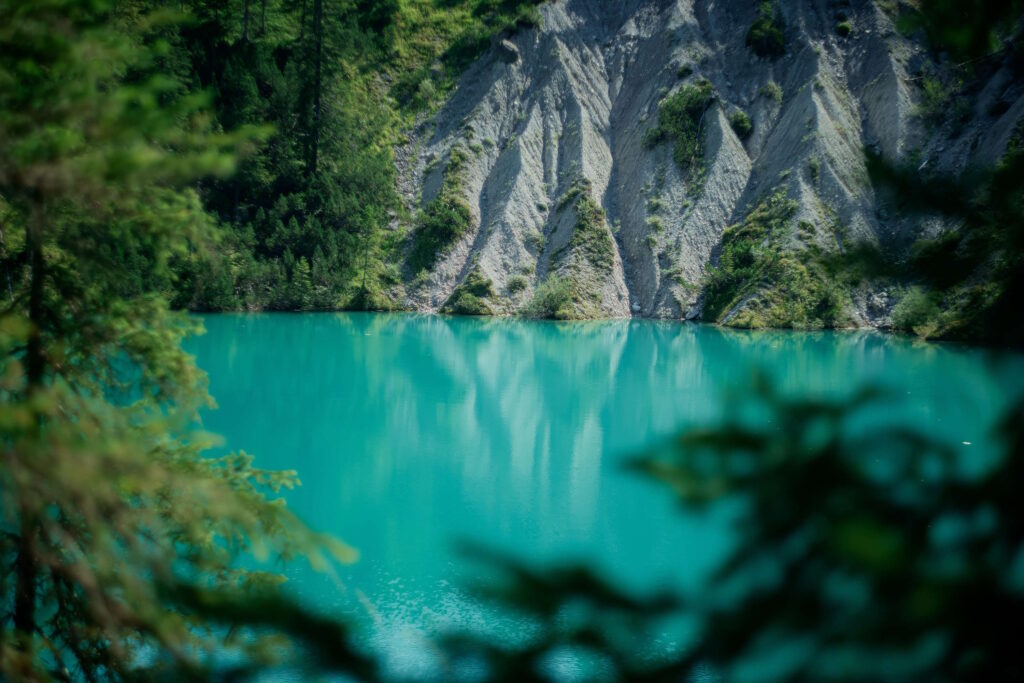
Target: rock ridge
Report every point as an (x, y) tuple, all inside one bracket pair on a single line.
[(559, 116)]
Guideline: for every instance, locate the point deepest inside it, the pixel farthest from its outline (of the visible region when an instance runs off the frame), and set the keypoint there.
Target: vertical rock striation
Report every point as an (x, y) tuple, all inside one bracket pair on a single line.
[(554, 122)]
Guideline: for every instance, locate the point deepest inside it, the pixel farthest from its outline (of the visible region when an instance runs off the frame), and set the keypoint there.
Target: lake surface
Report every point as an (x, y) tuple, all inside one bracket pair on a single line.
[(413, 433)]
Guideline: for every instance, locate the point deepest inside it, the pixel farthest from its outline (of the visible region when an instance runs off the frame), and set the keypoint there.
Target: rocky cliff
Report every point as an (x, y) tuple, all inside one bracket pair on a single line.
[(610, 149)]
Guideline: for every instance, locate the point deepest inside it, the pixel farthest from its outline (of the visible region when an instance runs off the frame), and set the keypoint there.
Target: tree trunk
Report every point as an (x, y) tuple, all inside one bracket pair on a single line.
[(35, 359), (366, 263), (302, 21), (35, 365), (25, 589), (7, 272), (263, 17), (245, 22), (318, 27)]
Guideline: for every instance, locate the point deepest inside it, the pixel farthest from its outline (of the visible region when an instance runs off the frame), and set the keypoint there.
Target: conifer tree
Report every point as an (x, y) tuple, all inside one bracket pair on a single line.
[(127, 550)]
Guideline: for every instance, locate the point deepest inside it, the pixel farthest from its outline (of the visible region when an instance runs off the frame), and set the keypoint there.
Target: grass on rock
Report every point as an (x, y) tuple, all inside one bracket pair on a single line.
[(762, 281)]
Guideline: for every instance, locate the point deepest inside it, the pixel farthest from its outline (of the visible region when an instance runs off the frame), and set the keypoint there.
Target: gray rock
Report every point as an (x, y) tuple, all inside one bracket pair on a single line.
[(507, 51), (573, 112)]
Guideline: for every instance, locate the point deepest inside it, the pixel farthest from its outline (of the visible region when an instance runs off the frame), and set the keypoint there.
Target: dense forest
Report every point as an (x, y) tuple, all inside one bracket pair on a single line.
[(327, 87)]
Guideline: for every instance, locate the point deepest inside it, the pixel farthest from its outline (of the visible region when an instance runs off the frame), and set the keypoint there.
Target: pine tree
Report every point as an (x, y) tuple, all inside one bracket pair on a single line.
[(120, 535)]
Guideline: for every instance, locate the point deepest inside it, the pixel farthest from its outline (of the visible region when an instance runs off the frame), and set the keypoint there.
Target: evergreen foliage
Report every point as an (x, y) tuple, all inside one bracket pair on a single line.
[(127, 551), (767, 37), (430, 42), (305, 213), (330, 84), (130, 553)]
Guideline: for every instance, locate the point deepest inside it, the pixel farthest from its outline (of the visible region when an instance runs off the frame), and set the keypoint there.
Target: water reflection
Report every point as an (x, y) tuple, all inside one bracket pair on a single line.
[(411, 432)]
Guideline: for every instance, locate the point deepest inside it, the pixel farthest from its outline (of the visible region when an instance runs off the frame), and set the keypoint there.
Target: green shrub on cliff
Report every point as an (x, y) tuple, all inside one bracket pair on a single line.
[(762, 282), (472, 296), (772, 90), (679, 119), (766, 36), (591, 236), (444, 220), (741, 124), (553, 300)]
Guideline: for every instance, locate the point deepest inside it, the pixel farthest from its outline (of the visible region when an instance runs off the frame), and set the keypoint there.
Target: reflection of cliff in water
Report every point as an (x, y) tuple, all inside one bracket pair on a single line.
[(410, 433)]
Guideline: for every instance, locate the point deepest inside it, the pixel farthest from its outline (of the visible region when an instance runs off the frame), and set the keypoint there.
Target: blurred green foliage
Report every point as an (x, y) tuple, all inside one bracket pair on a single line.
[(959, 282), (965, 280), (967, 29), (872, 549), (866, 552), (126, 552)]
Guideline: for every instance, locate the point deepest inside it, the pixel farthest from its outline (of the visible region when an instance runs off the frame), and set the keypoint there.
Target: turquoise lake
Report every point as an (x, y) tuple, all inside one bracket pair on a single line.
[(414, 433)]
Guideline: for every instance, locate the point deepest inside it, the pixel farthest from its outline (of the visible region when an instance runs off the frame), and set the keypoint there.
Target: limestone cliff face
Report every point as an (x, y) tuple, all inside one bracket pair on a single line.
[(556, 113)]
